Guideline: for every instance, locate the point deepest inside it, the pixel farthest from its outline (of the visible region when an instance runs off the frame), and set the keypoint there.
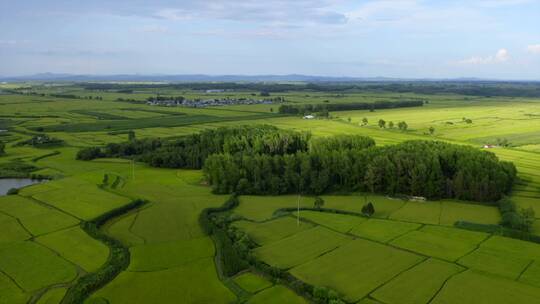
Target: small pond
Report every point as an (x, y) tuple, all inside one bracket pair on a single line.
[(8, 183)]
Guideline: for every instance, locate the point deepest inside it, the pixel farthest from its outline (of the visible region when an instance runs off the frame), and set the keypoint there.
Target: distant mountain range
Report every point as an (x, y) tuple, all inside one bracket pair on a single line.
[(59, 77)]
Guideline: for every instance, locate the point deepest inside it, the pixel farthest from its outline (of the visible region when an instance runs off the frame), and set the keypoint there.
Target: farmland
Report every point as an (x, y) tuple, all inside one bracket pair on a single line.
[(407, 251)]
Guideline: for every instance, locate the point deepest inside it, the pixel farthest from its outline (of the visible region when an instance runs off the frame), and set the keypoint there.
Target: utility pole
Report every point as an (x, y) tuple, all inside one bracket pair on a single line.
[(298, 204), (133, 168), (298, 211)]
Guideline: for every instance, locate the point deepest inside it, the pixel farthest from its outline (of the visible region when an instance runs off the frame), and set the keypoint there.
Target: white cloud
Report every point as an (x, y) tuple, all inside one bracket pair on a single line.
[(153, 29), (501, 56), (8, 42), (264, 32), (173, 14), (269, 11), (534, 48), (503, 3), (420, 16)]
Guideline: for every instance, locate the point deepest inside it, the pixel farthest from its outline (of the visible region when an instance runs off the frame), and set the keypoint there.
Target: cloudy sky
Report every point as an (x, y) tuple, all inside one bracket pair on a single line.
[(365, 38)]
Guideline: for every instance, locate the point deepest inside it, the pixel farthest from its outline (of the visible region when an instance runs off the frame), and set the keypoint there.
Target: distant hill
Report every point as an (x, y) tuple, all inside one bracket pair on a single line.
[(185, 78), (214, 78)]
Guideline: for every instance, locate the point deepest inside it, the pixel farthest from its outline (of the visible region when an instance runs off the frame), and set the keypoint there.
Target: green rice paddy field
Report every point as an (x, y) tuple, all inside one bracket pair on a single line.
[(408, 252)]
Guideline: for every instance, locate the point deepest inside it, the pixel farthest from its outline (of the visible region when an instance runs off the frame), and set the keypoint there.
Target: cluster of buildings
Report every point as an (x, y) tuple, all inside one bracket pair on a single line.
[(202, 103)]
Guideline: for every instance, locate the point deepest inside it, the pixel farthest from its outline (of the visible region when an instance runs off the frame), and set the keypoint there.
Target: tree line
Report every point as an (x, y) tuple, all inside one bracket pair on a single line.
[(471, 88), (191, 151), (266, 160), (41, 140), (418, 168), (23, 91), (326, 107)]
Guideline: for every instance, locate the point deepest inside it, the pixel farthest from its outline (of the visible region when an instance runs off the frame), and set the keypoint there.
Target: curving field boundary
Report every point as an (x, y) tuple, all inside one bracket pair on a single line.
[(118, 260)]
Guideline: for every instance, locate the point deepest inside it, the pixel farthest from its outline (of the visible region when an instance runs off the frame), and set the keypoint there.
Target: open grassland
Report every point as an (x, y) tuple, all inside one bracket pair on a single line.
[(195, 282), (169, 242), (425, 280), (472, 287), (277, 294), (505, 257), (12, 230), (37, 218), (77, 247), (301, 247), (52, 296), (170, 245), (152, 122), (273, 230), (259, 208), (338, 222), (356, 268), (251, 282), (445, 212), (10, 292), (33, 266), (83, 201), (405, 253), (154, 257), (165, 238), (383, 230), (441, 242), (121, 230), (401, 262), (532, 274)]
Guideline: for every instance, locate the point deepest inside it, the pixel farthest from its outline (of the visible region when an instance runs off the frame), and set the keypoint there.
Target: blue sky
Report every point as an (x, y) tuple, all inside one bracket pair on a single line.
[(392, 38)]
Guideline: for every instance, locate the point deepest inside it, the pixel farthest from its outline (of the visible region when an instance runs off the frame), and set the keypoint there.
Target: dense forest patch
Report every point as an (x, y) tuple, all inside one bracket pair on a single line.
[(419, 168), (266, 160), (190, 151), (325, 108)]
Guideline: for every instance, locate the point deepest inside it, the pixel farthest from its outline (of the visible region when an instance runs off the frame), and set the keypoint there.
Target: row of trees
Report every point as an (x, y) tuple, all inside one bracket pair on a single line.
[(339, 143), (72, 96), (419, 168), (163, 98), (402, 125), (472, 88), (41, 140), (118, 259), (266, 160), (367, 209), (24, 91), (515, 217), (325, 108), (191, 151)]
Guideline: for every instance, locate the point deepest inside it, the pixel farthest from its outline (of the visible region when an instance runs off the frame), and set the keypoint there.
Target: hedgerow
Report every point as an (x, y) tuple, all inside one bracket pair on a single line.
[(118, 261)]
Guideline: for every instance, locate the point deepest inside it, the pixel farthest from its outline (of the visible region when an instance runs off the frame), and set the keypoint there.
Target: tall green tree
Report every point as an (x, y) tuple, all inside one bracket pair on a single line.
[(319, 202), (364, 121), (368, 209), (131, 135)]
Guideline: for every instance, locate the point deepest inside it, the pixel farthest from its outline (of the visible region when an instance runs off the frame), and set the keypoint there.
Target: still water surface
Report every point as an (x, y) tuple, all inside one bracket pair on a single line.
[(8, 183)]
